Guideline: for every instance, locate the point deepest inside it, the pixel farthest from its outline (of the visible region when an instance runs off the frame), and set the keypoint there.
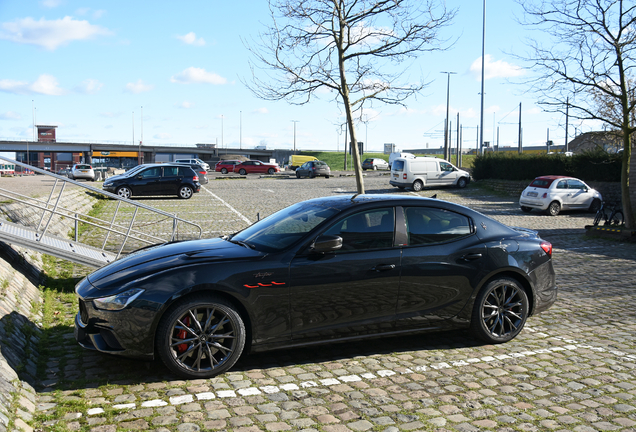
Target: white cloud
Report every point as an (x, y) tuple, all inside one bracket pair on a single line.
[(191, 39), (10, 115), (45, 84), (89, 86), (261, 111), (194, 75), (495, 69), (185, 105), (49, 34), (138, 87), (162, 135)]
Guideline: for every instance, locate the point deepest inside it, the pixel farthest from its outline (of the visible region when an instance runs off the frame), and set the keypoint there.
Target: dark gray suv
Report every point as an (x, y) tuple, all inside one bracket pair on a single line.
[(155, 179)]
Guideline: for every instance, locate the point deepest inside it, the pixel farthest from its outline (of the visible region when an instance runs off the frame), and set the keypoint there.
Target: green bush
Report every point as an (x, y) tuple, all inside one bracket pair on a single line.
[(589, 166)]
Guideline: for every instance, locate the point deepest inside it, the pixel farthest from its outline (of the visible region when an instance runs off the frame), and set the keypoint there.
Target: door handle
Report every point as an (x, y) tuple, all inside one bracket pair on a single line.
[(383, 267), (471, 256)]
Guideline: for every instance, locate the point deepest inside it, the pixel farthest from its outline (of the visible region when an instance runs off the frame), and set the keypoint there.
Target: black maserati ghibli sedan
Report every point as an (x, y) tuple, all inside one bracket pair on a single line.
[(326, 270)]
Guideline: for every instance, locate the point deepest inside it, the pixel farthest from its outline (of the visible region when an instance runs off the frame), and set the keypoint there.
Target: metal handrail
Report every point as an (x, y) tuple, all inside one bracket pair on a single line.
[(110, 227)]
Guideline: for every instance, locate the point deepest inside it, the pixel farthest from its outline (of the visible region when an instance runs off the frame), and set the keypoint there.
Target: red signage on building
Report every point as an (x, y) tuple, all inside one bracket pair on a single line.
[(46, 133)]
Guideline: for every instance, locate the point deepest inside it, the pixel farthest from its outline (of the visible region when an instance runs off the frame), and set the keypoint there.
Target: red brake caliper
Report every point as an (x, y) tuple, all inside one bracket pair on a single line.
[(181, 334)]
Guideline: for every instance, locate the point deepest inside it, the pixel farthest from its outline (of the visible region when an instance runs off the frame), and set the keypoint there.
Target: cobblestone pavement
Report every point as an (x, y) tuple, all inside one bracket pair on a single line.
[(571, 369)]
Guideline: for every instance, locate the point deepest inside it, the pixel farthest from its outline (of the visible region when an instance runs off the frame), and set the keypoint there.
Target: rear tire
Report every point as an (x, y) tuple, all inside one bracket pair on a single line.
[(554, 208), (500, 311), (185, 192), (418, 185), (223, 170), (208, 347), (618, 218), (297, 174), (242, 171)]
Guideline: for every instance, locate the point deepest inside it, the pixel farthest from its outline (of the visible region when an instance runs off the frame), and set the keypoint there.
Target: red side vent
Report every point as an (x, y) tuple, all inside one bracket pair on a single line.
[(547, 248)]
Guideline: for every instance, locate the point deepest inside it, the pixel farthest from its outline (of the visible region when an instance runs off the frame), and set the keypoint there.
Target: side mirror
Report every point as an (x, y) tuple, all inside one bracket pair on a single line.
[(326, 243)]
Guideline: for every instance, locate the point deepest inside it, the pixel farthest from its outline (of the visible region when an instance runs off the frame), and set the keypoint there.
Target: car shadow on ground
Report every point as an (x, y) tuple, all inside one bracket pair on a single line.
[(75, 368)]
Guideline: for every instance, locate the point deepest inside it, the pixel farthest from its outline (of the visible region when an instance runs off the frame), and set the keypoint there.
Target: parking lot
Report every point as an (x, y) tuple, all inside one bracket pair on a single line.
[(571, 369)]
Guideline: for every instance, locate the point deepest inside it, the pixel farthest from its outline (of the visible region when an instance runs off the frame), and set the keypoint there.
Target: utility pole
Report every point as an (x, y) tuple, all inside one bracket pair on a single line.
[(567, 113), (446, 150), (483, 54), (294, 122), (520, 143)]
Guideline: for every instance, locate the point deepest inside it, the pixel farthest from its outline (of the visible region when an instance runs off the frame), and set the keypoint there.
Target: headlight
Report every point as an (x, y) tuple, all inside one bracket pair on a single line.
[(108, 183), (118, 301)]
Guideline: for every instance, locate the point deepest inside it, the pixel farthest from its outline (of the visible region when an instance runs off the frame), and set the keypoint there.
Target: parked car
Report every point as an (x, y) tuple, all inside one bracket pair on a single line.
[(296, 161), (374, 164), (555, 193), (64, 172), (194, 161), (201, 172), (255, 166), (313, 169), (416, 173), (82, 171), (226, 166), (155, 179), (332, 269)]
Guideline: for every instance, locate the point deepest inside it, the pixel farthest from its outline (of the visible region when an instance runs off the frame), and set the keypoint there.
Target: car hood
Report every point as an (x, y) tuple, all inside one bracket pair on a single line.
[(155, 259)]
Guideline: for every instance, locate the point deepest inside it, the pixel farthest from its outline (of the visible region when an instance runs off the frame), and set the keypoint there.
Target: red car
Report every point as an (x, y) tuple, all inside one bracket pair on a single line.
[(225, 166), (255, 166)]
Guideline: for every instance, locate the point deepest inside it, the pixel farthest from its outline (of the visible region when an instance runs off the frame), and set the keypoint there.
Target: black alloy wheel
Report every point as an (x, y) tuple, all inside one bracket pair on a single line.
[(500, 311), (201, 337)]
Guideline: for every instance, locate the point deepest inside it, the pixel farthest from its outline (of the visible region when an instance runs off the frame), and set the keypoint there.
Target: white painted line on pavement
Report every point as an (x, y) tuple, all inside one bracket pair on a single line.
[(227, 205)]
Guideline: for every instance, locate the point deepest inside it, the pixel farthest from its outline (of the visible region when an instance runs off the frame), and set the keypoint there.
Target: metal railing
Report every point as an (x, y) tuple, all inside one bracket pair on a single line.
[(125, 231)]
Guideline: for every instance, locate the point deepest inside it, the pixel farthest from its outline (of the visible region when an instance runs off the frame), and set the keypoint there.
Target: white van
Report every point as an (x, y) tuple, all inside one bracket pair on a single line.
[(426, 171), (393, 156)]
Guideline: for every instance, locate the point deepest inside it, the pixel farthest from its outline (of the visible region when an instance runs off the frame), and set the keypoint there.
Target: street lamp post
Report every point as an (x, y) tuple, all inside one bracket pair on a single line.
[(483, 48), (294, 122), (446, 152)]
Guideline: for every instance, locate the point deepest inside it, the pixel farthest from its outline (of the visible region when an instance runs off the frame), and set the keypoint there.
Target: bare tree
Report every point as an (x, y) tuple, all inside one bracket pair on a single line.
[(588, 64), (348, 47)]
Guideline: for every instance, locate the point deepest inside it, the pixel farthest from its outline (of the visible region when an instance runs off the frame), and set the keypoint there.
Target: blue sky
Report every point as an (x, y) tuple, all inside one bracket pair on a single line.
[(90, 66)]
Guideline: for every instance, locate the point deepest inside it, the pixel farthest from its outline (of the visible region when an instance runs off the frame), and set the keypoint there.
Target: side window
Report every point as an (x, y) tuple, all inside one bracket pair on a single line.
[(563, 184), (445, 166), (371, 229), (170, 171), (426, 225), (575, 184), (151, 172)]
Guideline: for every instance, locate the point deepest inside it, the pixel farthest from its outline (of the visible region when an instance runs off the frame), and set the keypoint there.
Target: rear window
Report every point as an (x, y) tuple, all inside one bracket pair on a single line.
[(320, 164), (541, 183), (398, 165), (83, 167)]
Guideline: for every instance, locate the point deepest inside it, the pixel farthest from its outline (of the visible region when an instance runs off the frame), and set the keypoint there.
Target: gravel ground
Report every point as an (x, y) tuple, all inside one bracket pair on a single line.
[(571, 369)]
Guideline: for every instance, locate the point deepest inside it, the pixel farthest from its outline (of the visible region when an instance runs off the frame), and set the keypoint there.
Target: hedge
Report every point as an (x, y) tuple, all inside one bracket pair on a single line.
[(588, 166)]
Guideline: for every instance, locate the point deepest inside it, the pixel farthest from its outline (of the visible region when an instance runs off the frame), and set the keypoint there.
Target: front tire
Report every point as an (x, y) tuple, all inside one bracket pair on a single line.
[(124, 192), (185, 192), (500, 311), (418, 185), (554, 208), (297, 174), (462, 182), (595, 205), (201, 337), (271, 171)]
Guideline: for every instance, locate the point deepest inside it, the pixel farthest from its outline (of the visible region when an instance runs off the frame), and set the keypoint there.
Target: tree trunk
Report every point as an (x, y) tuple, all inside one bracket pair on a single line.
[(628, 210)]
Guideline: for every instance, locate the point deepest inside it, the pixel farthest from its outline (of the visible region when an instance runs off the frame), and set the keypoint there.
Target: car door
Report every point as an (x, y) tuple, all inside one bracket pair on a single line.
[(441, 263), (170, 181), (561, 193), (579, 194), (353, 290), (447, 174), (304, 169), (146, 182)]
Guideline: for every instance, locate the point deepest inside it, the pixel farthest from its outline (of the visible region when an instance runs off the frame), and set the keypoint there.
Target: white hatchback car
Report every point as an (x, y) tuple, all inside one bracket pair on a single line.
[(82, 171), (555, 193)]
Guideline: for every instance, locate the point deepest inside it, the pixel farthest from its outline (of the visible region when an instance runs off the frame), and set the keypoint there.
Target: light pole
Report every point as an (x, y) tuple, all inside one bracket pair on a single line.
[(139, 158), (446, 153), (221, 130), (240, 130), (483, 47), (294, 122)]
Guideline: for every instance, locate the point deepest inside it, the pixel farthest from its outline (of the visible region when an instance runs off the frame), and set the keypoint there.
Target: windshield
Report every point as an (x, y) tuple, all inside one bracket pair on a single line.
[(284, 227)]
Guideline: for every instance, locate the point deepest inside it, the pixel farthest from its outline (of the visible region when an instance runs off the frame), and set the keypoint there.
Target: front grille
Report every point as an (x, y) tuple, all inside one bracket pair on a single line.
[(83, 312)]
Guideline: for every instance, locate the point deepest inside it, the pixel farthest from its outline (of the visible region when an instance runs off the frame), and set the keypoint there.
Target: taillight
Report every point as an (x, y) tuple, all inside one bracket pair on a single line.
[(202, 172), (195, 178), (547, 248), (404, 176), (545, 195)]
